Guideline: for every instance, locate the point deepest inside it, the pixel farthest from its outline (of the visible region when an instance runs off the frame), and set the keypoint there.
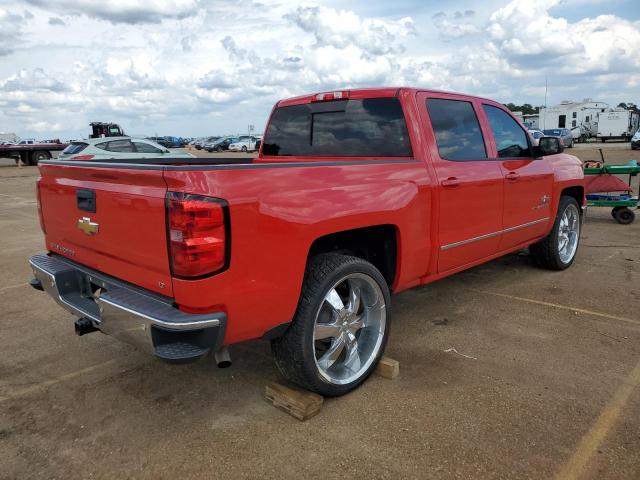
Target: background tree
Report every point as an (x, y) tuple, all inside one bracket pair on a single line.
[(526, 109)]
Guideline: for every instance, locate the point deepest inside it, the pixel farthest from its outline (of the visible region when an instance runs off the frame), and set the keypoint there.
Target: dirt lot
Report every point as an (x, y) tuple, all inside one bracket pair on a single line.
[(545, 382)]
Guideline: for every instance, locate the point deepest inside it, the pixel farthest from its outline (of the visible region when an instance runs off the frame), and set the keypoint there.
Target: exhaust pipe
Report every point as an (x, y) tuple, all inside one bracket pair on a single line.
[(83, 325), (223, 359)]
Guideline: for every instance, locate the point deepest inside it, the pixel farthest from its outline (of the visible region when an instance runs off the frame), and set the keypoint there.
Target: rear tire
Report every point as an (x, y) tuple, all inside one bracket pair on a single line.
[(340, 328), (624, 216), (557, 250), (39, 155)]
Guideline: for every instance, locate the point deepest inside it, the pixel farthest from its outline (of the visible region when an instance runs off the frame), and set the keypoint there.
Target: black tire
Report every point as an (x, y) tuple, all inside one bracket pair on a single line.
[(218, 149), (545, 253), (294, 352), (614, 210), (624, 216), (244, 149), (39, 155)]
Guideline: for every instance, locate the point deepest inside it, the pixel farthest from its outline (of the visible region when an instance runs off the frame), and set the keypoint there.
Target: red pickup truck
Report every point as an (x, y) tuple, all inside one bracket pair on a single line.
[(354, 195)]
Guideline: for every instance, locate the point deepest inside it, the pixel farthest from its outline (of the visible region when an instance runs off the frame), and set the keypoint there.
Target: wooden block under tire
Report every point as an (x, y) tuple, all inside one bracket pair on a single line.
[(388, 368), (297, 402)]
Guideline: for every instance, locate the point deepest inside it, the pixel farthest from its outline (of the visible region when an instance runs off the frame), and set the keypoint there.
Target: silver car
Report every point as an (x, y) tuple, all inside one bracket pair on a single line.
[(564, 134), (111, 148)]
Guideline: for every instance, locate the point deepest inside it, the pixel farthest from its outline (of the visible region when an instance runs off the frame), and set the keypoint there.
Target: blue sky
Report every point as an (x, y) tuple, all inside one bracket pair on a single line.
[(197, 67)]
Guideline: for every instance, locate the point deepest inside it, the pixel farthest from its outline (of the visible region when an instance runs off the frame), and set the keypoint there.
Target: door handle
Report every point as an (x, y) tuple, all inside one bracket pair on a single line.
[(512, 176), (451, 182)]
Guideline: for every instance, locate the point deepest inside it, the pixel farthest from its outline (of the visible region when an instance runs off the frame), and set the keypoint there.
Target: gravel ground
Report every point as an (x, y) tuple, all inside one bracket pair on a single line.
[(544, 381)]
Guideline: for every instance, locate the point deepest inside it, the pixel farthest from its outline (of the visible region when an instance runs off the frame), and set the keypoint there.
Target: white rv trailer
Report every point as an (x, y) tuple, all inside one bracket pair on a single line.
[(617, 124), (580, 117)]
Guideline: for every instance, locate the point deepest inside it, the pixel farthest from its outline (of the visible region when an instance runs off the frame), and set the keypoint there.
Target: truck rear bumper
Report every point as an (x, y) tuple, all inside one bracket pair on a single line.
[(128, 313)]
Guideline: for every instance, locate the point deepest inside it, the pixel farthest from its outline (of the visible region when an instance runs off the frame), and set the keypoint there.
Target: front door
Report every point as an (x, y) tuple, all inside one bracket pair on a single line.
[(470, 183), (528, 181)]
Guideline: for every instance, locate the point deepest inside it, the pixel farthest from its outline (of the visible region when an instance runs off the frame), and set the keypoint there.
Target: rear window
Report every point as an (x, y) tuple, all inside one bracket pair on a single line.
[(345, 128), (75, 147)]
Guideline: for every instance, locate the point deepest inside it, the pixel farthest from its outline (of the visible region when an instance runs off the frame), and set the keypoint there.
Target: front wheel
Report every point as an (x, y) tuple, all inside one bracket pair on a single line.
[(340, 328), (558, 249)]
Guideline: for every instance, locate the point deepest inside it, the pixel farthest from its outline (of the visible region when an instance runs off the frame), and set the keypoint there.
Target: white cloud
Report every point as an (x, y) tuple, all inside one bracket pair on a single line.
[(455, 27), (10, 31), (342, 28), (526, 33), (122, 11)]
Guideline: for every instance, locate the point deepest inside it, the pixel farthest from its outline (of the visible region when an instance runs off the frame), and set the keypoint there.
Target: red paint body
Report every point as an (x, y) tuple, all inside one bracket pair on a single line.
[(277, 213)]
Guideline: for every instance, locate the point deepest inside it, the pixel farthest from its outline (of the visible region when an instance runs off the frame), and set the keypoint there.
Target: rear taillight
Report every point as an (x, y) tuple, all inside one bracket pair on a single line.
[(197, 231), (39, 202), (82, 157)]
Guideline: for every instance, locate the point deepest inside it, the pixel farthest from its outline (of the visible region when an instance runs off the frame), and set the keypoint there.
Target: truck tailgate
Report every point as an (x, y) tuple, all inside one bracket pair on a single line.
[(109, 219)]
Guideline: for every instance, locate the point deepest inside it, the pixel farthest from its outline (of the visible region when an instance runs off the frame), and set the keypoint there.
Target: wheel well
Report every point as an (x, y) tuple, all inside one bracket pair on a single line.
[(376, 244), (575, 192)]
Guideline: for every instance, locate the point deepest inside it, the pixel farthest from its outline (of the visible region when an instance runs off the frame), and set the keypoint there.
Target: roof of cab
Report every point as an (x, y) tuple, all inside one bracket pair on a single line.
[(354, 93)]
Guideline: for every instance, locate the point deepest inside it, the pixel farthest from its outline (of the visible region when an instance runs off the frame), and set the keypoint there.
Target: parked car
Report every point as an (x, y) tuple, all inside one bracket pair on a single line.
[(244, 144), (221, 144), (202, 142), (564, 134), (355, 195), (169, 142), (536, 135), (635, 140), (110, 148)]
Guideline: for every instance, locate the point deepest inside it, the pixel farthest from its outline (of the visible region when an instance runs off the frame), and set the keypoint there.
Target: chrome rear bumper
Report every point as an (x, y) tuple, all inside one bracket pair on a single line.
[(129, 313)]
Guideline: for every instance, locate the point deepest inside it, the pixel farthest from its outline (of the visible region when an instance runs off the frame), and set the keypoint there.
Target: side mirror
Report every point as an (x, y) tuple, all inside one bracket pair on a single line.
[(549, 146)]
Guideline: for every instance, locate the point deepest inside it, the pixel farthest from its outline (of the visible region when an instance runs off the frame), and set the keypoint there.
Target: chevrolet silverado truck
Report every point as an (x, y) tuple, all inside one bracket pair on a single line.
[(354, 195)]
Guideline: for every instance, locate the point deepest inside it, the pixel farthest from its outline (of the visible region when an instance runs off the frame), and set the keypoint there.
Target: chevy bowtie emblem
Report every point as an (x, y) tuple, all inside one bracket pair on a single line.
[(87, 226)]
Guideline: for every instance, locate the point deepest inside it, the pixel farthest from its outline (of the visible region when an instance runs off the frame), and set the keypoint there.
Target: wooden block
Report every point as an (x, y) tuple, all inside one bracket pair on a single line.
[(297, 402), (388, 368)]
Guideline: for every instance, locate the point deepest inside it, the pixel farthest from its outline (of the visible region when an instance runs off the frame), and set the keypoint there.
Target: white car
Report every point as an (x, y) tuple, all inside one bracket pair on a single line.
[(245, 144), (535, 135), (111, 148)]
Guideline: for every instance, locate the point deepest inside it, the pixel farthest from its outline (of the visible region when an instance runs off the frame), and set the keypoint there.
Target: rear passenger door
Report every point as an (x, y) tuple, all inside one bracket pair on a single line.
[(470, 183), (528, 183)]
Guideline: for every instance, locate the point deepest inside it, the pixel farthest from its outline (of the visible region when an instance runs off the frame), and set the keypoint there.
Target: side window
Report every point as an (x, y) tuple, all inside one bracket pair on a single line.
[(120, 146), (457, 130), (142, 147), (101, 146), (511, 141)]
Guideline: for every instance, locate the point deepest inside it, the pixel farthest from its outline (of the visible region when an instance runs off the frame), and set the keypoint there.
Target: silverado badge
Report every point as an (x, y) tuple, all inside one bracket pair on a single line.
[(87, 226)]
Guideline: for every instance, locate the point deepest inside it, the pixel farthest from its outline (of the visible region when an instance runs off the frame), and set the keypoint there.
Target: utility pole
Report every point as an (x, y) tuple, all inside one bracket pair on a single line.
[(546, 86)]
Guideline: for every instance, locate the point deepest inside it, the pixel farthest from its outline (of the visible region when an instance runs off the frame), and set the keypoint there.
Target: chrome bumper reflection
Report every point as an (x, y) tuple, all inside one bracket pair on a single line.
[(120, 310)]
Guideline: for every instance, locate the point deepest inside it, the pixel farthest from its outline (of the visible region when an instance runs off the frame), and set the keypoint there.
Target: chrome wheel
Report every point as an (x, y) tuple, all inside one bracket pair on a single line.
[(568, 233), (349, 328)]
